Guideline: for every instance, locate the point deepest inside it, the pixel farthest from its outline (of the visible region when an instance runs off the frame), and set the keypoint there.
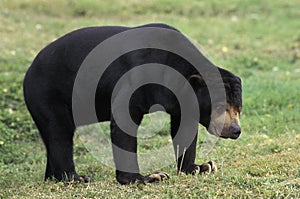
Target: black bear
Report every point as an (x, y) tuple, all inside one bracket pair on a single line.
[(48, 87)]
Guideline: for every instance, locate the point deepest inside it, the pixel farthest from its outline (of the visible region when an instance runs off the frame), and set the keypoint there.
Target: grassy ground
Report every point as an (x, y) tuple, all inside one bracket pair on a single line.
[(258, 40)]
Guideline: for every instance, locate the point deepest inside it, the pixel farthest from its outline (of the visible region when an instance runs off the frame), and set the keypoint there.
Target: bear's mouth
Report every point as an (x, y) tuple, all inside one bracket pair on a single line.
[(232, 136), (222, 133)]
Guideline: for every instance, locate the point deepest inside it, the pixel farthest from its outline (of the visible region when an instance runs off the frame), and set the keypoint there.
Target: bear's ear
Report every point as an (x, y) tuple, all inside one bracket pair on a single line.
[(197, 81)]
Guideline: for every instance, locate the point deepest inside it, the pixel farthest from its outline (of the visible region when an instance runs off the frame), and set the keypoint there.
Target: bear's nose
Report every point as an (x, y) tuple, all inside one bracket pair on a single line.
[(235, 129)]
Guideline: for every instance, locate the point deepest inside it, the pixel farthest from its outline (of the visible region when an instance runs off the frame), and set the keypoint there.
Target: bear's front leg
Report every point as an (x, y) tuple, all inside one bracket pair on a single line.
[(186, 154), (124, 148), (125, 157)]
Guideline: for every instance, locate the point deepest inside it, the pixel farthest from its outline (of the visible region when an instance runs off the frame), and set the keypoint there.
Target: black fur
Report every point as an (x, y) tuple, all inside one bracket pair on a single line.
[(48, 88)]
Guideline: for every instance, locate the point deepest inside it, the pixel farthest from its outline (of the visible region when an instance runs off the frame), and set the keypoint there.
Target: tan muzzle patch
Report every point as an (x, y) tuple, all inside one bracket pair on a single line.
[(223, 121)]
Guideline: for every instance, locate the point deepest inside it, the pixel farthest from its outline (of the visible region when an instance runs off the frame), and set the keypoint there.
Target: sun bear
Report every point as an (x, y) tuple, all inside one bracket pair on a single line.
[(48, 87)]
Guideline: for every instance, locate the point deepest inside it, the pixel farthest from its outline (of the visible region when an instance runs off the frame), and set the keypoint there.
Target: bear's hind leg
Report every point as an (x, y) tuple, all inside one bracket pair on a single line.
[(57, 129)]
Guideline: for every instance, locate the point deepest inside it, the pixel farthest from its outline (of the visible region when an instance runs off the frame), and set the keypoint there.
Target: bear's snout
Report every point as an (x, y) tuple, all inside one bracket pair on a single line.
[(235, 131)]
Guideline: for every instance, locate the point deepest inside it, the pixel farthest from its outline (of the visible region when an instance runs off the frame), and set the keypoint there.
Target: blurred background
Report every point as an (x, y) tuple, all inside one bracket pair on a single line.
[(257, 40)]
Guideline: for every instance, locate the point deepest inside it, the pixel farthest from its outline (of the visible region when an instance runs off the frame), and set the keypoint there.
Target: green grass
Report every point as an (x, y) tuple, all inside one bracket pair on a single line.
[(257, 40)]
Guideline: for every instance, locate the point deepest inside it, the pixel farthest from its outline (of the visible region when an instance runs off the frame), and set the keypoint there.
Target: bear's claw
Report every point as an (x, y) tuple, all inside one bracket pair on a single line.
[(81, 178), (155, 177), (205, 168)]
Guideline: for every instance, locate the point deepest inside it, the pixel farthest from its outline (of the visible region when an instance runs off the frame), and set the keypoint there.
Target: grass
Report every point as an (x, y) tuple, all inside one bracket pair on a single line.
[(258, 40)]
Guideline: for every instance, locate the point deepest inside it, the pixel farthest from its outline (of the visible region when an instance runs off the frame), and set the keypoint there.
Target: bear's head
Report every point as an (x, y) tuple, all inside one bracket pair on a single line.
[(223, 119)]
